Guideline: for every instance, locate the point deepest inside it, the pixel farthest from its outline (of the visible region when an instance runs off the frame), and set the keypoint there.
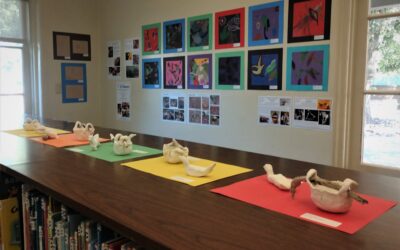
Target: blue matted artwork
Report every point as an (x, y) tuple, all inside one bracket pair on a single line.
[(307, 68), (266, 24), (151, 76), (73, 82), (174, 36)]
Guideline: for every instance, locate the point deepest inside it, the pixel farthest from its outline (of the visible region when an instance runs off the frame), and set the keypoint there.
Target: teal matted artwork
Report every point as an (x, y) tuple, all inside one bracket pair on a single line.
[(307, 68), (151, 39), (105, 152), (200, 33), (229, 70)]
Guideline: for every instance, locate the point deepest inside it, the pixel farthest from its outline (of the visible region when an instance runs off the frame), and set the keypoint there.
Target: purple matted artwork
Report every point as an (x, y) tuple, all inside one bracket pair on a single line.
[(265, 23), (307, 68), (199, 71)]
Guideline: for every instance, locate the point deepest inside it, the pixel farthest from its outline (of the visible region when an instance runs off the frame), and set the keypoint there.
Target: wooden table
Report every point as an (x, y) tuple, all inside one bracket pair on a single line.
[(164, 214)]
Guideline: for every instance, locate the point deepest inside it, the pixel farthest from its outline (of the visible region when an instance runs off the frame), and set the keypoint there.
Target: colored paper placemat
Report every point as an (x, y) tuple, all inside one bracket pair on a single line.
[(176, 172), (258, 191), (64, 141), (25, 133), (105, 152)]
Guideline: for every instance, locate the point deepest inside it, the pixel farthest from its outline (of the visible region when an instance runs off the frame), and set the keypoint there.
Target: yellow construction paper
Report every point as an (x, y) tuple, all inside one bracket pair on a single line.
[(159, 167), (24, 133)]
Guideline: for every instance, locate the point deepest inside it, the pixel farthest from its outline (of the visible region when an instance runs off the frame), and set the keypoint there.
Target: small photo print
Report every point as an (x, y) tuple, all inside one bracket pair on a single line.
[(179, 115), (299, 114), (214, 99), (214, 120), (110, 52), (275, 117), (166, 102), (173, 103), (114, 71), (169, 114), (135, 59), (284, 102), (324, 104), (128, 56), (311, 115), (205, 102), (324, 118), (117, 61), (181, 102), (205, 118), (285, 118), (132, 71), (195, 102), (214, 110), (264, 119), (195, 116)]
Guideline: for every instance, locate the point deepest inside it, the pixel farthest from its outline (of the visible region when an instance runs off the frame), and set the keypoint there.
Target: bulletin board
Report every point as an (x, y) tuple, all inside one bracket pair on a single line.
[(70, 46), (74, 82)]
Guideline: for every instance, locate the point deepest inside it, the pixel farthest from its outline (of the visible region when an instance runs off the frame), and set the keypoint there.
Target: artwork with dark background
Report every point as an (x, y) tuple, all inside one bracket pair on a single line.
[(199, 33), (265, 69), (265, 24), (151, 74), (229, 29), (173, 34), (229, 70)]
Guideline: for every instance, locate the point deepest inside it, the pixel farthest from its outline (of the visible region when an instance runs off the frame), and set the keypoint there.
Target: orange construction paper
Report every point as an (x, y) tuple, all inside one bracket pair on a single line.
[(64, 141)]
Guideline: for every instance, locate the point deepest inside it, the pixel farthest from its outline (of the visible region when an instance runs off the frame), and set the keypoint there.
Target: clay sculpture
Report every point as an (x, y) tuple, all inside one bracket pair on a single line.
[(279, 180), (122, 143), (32, 125), (173, 150), (194, 170), (331, 196), (94, 141), (82, 131)]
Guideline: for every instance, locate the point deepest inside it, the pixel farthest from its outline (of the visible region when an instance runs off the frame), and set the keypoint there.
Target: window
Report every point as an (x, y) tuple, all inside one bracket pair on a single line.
[(381, 121), (13, 61)]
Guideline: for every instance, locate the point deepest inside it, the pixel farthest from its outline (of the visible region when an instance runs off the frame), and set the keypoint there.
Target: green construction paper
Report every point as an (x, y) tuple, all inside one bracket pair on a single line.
[(229, 54), (105, 152), (210, 33)]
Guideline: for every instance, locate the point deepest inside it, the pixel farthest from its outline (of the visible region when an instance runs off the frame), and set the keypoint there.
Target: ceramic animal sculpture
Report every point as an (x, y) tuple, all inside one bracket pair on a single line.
[(194, 170), (122, 143), (82, 131), (173, 150), (331, 196), (94, 141), (278, 180), (32, 125)]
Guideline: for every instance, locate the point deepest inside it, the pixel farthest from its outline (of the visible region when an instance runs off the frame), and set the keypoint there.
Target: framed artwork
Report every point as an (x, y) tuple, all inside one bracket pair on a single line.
[(229, 70), (74, 83), (174, 72), (199, 33), (199, 71), (229, 29), (307, 68), (71, 46), (151, 39), (266, 24), (264, 69), (174, 36), (309, 20), (151, 77)]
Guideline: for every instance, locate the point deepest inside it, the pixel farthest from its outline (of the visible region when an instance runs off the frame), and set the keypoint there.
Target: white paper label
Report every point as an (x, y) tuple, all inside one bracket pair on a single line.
[(180, 50), (206, 87), (85, 55), (320, 37), (179, 87), (67, 57), (273, 87), (206, 47), (139, 151), (321, 220), (76, 150), (236, 87), (80, 81), (80, 99), (275, 40), (182, 179), (317, 87), (156, 86), (236, 45)]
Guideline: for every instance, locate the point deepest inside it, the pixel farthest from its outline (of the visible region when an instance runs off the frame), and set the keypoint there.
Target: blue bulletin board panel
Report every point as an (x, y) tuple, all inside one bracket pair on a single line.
[(74, 82)]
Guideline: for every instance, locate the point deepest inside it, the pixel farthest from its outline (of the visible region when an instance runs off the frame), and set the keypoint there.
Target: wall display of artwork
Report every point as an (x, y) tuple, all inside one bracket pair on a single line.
[(266, 24), (123, 90), (151, 76), (274, 110), (174, 72), (204, 109), (229, 70), (74, 83), (173, 107), (229, 29), (174, 36), (199, 71), (264, 69), (309, 20), (114, 59), (199, 33), (307, 68), (71, 46), (313, 113), (132, 57), (151, 39)]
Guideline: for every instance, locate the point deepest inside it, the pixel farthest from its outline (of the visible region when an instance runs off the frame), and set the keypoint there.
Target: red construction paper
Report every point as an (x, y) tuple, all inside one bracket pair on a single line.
[(239, 11), (258, 191), (303, 24), (64, 141)]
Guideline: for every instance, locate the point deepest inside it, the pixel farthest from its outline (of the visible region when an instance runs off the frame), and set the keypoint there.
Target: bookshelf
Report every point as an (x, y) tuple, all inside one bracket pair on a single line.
[(160, 214)]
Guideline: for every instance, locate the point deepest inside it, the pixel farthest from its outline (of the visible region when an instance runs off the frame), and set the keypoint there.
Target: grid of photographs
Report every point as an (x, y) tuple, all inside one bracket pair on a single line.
[(173, 108), (204, 109)]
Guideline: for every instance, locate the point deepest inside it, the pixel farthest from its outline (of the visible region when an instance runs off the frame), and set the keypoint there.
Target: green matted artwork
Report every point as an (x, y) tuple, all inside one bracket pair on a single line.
[(200, 33), (105, 152), (229, 70), (151, 39)]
